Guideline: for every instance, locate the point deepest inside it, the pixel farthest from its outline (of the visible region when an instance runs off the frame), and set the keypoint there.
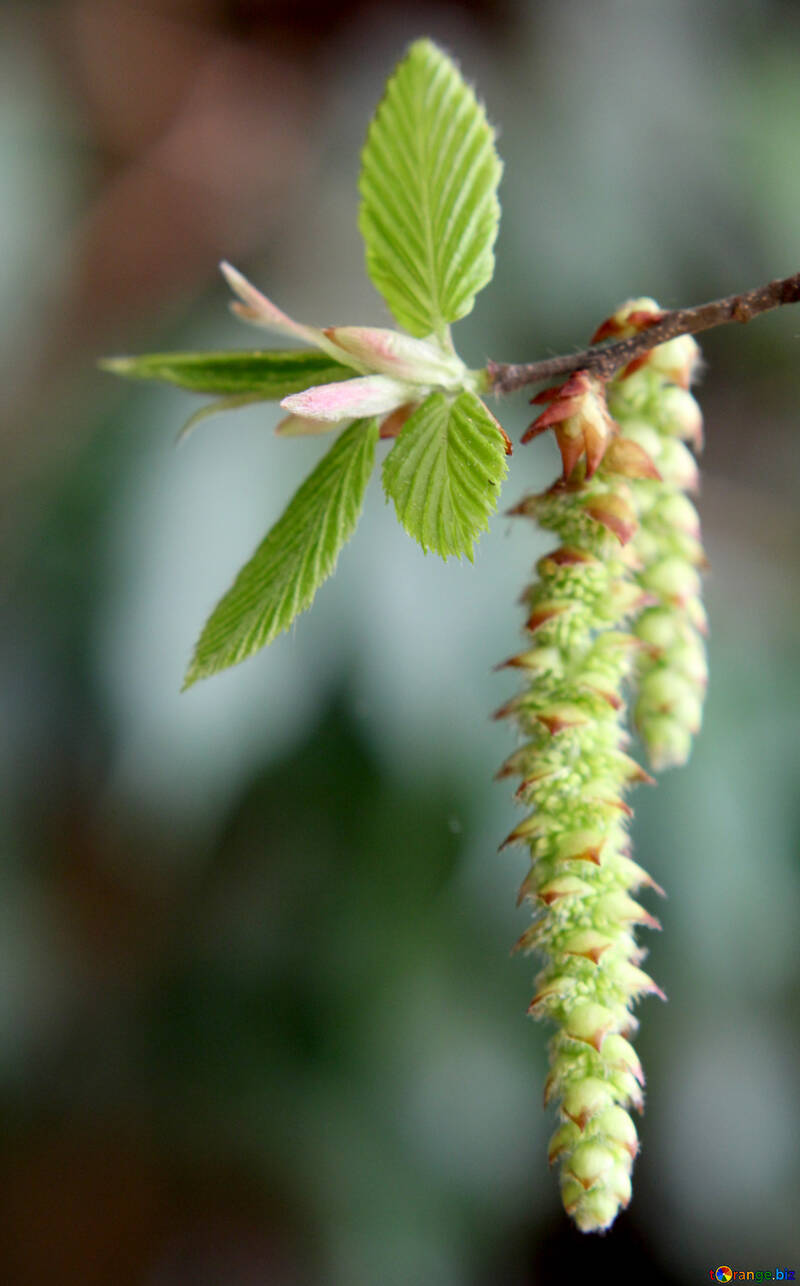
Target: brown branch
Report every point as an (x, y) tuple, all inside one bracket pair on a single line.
[(605, 359)]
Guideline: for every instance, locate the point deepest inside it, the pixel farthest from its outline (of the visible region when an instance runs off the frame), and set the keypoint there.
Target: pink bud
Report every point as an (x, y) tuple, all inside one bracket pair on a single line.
[(364, 395), (393, 353)]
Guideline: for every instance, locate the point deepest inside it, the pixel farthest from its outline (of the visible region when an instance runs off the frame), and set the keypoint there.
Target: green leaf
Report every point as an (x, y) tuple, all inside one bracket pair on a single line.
[(444, 473), (268, 374), (289, 566), (429, 176)]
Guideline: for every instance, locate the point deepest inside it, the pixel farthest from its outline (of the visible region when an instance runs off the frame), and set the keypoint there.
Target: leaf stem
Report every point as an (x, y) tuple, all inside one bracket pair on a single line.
[(604, 360)]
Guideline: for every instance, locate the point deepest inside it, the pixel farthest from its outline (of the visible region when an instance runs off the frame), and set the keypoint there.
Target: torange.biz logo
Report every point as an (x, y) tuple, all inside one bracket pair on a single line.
[(726, 1274)]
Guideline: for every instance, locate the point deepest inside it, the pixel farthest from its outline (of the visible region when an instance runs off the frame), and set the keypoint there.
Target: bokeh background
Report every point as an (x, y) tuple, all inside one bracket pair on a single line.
[(258, 1020)]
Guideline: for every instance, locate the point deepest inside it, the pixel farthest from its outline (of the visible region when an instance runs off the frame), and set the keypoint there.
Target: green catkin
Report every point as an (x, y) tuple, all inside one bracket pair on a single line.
[(653, 407), (627, 556), (575, 777)]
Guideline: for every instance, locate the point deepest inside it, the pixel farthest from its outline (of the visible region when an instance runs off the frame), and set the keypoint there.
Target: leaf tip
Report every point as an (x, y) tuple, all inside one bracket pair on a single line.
[(190, 677), (117, 365)]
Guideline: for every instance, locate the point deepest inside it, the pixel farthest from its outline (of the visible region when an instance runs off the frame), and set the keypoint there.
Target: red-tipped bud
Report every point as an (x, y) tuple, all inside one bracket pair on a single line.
[(619, 1053), (635, 772), (537, 659), (579, 846), (508, 708), (528, 940), (529, 828), (559, 717), (587, 943), (634, 876), (614, 513), (544, 612), (566, 556), (621, 909), (634, 980), (564, 1140), (589, 1162), (554, 989), (628, 1090), (591, 1023), (633, 316), (564, 886), (586, 1098)]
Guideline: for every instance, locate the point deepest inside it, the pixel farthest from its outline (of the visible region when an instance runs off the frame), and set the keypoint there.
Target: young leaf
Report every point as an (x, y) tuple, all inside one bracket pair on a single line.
[(269, 373), (444, 473), (429, 177), (299, 553)]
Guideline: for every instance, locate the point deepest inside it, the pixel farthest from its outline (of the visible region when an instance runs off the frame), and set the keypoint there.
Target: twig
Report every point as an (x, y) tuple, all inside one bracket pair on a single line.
[(604, 360)]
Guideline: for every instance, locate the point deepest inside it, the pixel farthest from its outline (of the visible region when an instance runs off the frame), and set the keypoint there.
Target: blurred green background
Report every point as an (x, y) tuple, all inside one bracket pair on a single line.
[(258, 1020)]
